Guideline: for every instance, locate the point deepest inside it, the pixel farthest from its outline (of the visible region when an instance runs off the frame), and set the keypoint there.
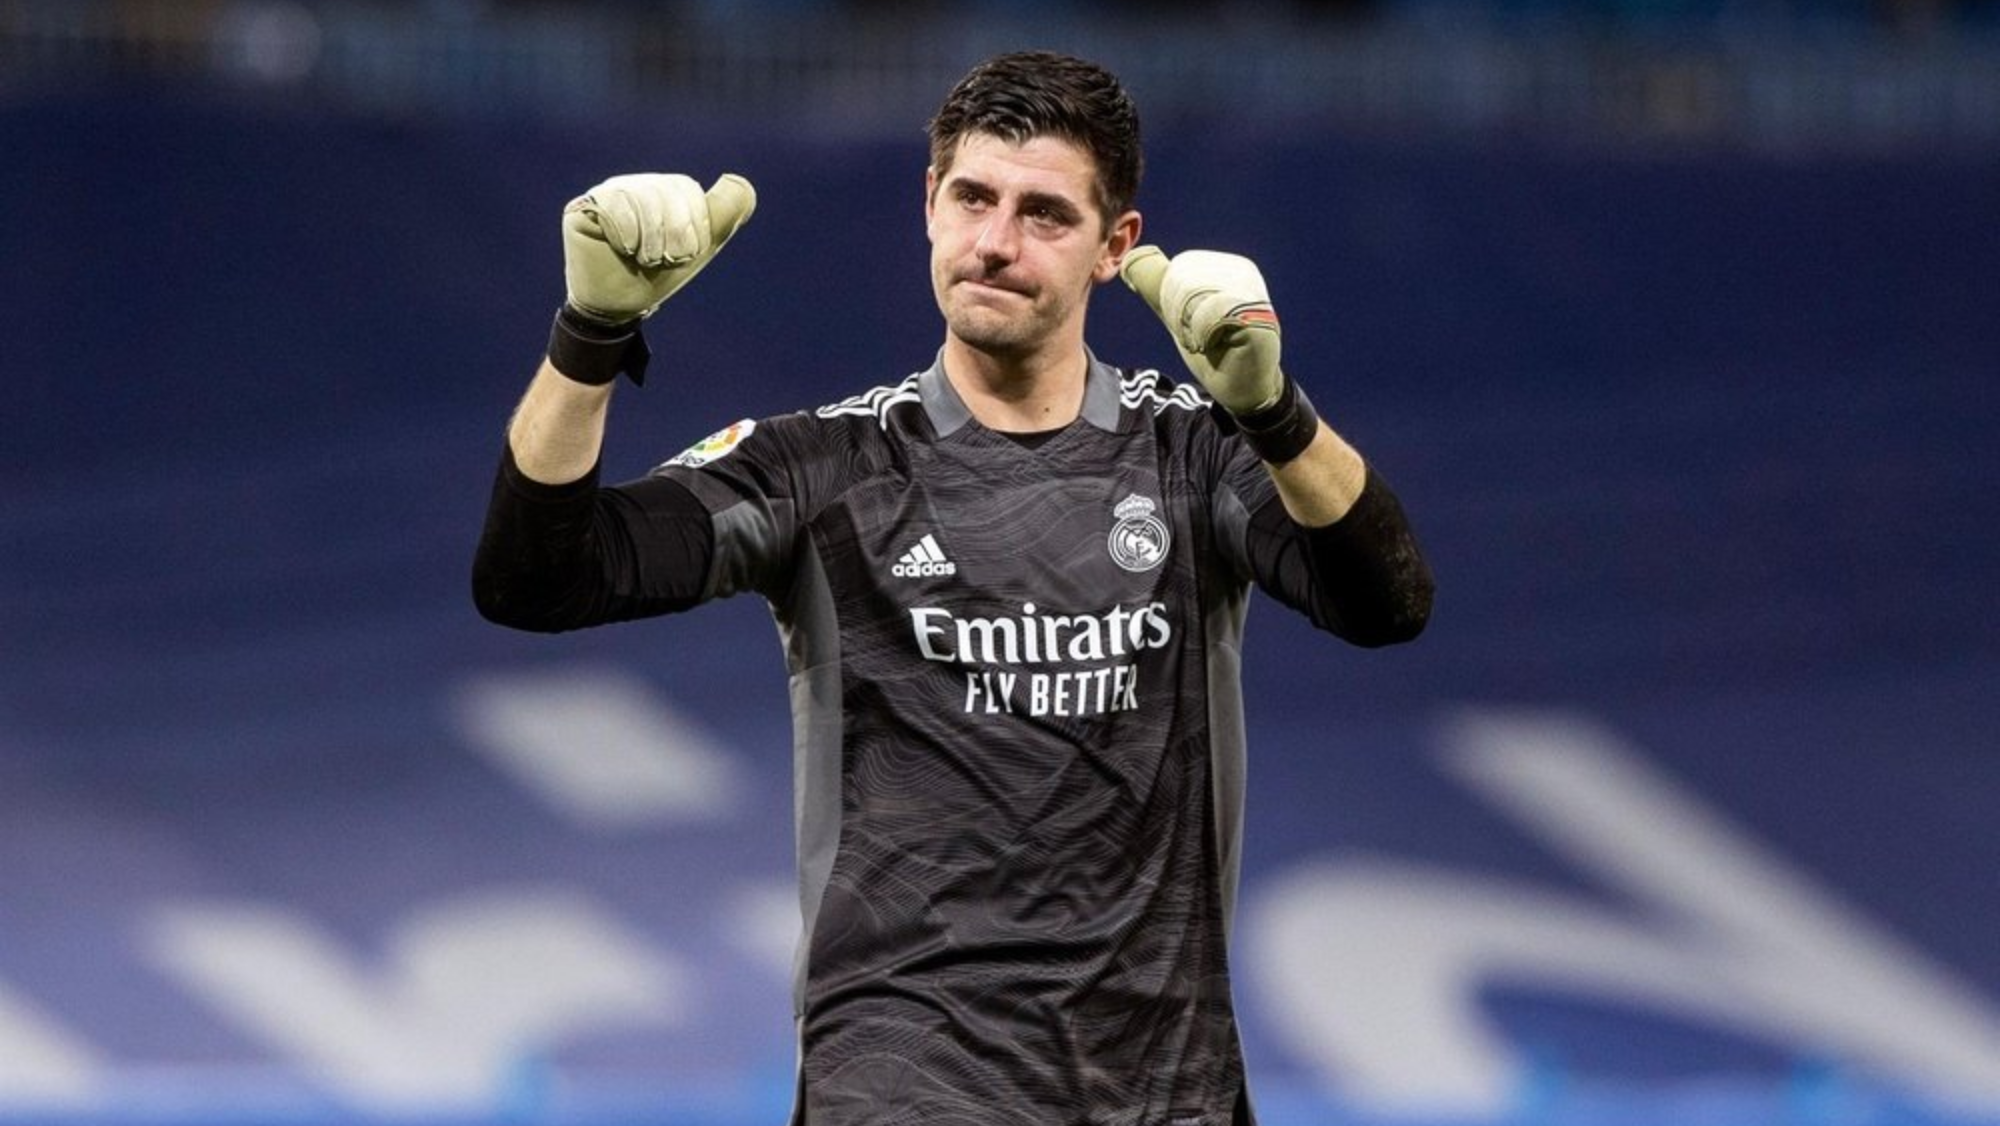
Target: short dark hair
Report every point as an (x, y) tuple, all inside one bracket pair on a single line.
[(1030, 94)]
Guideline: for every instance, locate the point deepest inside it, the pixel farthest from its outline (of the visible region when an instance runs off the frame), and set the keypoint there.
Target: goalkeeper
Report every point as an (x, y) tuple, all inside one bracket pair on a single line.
[(1011, 588)]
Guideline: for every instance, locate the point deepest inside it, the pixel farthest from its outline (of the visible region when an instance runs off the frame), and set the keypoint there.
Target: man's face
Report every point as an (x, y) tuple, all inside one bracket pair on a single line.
[(1017, 241)]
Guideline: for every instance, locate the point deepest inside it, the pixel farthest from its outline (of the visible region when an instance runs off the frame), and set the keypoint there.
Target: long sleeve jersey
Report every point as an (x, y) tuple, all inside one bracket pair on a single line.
[(1018, 727)]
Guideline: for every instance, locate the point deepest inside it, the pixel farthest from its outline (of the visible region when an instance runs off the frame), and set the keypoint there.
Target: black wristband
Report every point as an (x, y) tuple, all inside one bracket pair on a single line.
[(592, 351), (1282, 431)]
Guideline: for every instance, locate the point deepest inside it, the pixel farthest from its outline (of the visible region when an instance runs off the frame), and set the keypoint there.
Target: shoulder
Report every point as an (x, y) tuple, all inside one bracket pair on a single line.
[(842, 424), (878, 405), (1179, 414), (1145, 389), (1190, 427), (809, 455)]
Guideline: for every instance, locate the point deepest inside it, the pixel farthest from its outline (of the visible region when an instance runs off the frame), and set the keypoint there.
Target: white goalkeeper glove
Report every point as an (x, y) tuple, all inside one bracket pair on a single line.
[(630, 243), (1219, 313)]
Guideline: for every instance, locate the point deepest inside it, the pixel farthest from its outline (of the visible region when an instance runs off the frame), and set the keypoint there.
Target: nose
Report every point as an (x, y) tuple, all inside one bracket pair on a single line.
[(999, 240)]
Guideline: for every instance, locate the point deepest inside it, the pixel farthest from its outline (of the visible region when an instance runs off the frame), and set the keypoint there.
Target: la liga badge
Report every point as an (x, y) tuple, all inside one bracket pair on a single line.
[(714, 446)]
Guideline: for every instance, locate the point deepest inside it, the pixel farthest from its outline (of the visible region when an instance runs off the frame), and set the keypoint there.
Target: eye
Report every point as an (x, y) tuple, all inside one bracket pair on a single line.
[(1049, 217)]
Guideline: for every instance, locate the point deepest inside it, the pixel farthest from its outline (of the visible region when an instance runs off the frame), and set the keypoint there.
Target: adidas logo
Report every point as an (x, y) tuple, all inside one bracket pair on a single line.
[(924, 560)]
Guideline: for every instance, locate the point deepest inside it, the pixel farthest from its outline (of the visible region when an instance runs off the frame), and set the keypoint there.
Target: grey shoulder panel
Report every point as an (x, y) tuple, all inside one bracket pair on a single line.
[(753, 545)]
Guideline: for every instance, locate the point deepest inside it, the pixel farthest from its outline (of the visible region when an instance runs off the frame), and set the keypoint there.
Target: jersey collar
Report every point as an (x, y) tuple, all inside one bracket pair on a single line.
[(948, 412)]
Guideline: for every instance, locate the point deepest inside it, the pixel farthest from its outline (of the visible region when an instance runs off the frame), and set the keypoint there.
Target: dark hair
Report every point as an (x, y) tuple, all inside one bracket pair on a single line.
[(1030, 94)]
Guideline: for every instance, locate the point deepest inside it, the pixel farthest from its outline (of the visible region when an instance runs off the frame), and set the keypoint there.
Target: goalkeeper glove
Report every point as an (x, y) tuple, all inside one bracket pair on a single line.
[(630, 243), (1217, 309)]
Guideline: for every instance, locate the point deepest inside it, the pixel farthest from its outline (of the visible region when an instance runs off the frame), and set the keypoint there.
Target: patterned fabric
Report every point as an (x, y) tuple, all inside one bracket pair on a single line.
[(1019, 746)]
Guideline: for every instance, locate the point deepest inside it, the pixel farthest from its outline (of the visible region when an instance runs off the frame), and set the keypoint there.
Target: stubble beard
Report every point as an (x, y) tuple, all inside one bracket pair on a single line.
[(987, 331), (1000, 332)]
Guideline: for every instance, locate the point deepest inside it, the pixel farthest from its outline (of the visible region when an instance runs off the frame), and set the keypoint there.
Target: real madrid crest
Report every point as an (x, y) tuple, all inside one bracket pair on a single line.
[(1139, 540)]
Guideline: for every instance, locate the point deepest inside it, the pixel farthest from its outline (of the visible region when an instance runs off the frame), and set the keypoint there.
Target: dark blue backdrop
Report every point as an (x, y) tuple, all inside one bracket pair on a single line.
[(1702, 447)]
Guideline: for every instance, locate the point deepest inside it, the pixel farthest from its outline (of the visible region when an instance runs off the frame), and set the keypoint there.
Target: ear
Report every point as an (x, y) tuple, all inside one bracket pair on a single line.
[(1118, 242)]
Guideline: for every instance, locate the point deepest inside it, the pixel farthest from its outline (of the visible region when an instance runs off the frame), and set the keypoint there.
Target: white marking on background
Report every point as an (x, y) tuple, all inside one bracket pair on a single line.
[(765, 922), (1374, 968), (599, 745), (469, 989), (40, 1062)]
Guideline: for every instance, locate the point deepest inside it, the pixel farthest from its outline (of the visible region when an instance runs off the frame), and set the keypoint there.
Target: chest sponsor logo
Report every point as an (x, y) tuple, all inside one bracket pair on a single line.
[(1097, 655), (715, 445), (1139, 540)]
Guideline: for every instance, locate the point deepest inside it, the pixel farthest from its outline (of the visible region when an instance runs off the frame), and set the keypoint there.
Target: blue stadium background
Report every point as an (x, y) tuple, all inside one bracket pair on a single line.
[(1700, 436)]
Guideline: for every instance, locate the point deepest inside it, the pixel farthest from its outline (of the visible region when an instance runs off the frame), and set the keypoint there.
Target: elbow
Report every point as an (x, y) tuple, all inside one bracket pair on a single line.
[(503, 607), (1394, 630), (502, 612), (513, 617), (1399, 619)]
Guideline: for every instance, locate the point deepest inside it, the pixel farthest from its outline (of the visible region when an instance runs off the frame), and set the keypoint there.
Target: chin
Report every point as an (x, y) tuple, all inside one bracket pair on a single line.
[(990, 334)]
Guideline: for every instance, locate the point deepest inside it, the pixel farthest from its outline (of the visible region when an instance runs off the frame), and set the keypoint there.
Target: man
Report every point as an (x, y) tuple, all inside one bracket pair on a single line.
[(1011, 590)]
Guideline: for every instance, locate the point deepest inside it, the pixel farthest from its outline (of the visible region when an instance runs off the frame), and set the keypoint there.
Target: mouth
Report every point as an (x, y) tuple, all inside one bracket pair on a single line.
[(992, 285)]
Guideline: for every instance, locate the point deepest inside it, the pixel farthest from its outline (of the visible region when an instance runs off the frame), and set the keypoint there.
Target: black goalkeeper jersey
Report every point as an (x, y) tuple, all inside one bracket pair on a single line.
[(1019, 737)]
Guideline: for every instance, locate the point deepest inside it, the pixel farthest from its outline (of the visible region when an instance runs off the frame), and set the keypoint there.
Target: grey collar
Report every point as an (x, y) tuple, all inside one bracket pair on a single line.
[(948, 412)]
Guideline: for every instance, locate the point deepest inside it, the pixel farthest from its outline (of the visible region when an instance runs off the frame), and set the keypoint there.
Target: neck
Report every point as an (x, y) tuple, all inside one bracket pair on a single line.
[(1017, 394)]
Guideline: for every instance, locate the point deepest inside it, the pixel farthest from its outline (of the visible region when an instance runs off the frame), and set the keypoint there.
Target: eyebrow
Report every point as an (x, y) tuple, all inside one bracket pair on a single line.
[(1060, 204)]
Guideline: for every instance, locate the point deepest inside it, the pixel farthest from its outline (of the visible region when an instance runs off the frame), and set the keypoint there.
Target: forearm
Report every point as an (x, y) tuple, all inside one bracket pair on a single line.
[(557, 432), (1320, 486)]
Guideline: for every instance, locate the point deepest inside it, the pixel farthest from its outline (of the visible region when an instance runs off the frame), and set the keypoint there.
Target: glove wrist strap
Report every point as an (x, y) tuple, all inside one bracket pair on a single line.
[(1282, 431), (594, 351)]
